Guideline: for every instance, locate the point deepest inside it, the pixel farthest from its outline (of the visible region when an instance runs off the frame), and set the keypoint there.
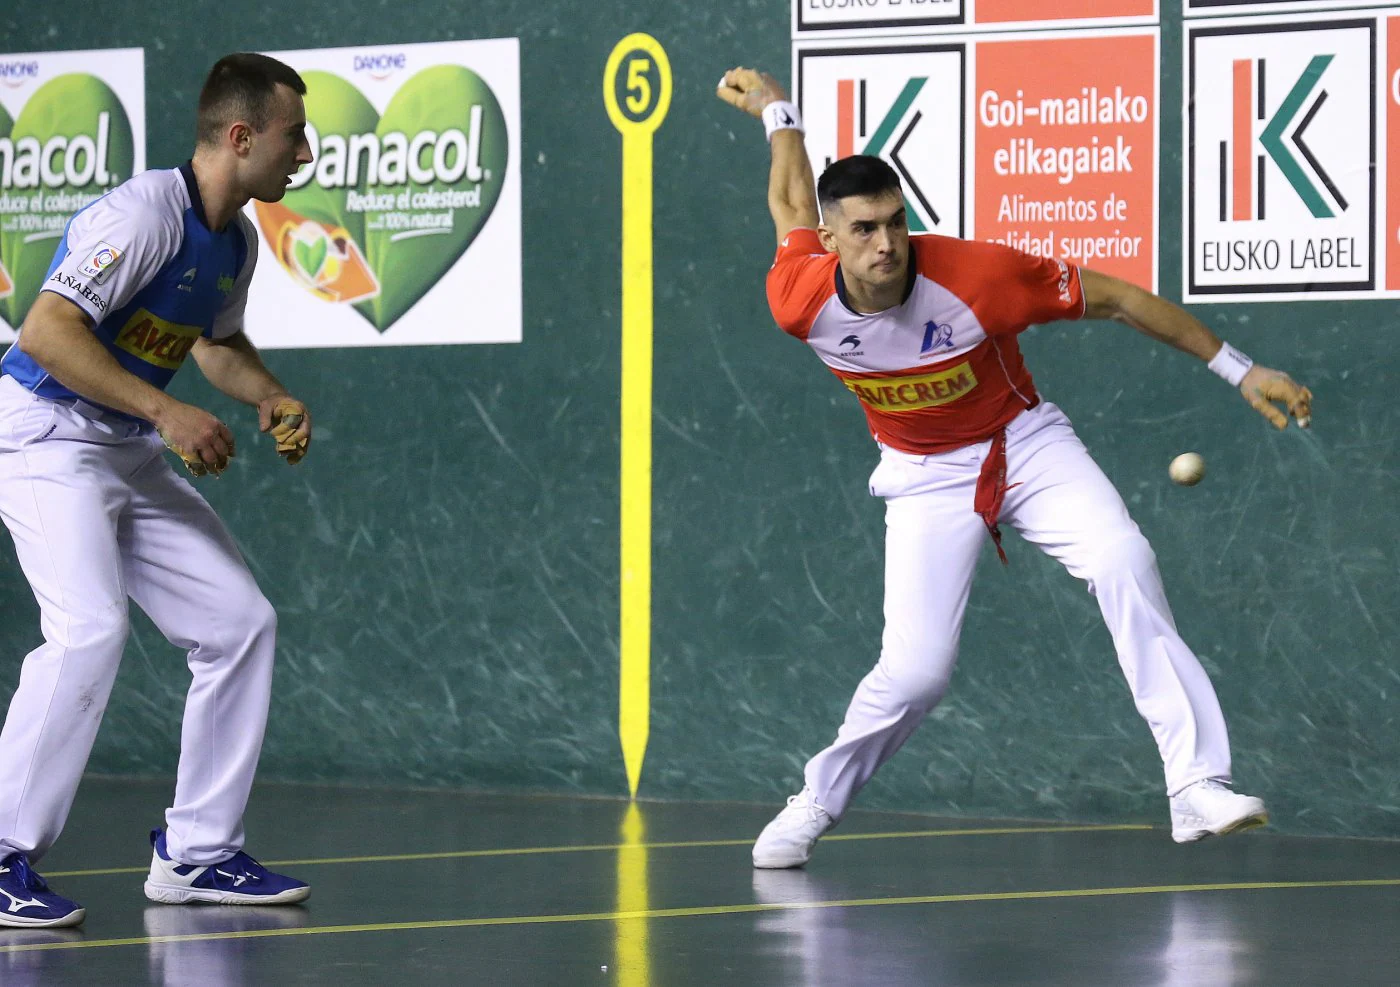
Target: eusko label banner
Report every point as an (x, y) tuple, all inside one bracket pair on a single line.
[(406, 227), (886, 18), (1287, 163), (72, 127), (1044, 141)]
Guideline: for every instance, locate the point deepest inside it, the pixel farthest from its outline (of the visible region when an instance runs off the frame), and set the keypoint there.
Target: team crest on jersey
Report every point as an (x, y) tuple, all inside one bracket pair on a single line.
[(101, 262), (937, 336), (162, 344)]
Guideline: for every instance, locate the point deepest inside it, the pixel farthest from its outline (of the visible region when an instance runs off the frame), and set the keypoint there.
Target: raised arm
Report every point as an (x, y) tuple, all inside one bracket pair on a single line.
[(1108, 297), (792, 196)]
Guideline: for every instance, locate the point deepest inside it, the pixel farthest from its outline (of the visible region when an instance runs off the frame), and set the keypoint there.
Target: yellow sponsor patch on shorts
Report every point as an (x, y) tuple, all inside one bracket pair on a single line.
[(896, 394), (164, 344)]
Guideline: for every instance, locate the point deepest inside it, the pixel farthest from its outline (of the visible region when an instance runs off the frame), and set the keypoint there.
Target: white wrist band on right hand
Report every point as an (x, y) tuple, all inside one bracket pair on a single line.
[(1230, 364), (781, 115)]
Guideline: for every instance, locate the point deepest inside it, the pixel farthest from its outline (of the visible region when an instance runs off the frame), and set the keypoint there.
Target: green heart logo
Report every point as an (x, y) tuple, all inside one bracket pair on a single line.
[(311, 257), (390, 203), (71, 143)]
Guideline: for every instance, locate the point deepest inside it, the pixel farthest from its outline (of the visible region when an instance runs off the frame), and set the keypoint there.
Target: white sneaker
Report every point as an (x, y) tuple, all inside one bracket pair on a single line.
[(787, 841), (1209, 808), (240, 880)]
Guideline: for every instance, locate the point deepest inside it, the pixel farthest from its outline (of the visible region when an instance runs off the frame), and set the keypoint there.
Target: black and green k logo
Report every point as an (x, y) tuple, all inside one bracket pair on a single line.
[(887, 141), (1312, 182)]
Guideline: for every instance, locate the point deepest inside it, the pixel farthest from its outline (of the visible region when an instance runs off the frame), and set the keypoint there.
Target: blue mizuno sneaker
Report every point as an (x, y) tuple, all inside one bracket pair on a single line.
[(27, 902), (240, 880)]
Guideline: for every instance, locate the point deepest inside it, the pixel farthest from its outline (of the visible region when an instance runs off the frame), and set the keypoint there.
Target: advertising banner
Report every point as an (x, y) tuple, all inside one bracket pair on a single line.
[(874, 18), (406, 227), (72, 127), (1046, 141), (1283, 151)]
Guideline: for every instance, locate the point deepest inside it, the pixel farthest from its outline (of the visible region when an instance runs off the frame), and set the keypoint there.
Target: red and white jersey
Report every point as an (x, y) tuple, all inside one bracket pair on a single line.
[(942, 369)]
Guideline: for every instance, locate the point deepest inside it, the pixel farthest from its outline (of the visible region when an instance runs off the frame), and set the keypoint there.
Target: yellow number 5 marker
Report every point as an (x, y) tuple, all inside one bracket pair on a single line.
[(637, 91)]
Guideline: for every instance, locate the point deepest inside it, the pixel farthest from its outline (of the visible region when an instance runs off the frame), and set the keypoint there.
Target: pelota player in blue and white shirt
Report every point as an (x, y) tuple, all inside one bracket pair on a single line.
[(155, 271)]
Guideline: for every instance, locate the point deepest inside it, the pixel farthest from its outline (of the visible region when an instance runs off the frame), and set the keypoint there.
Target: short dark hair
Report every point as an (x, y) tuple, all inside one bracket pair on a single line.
[(860, 174), (240, 87)]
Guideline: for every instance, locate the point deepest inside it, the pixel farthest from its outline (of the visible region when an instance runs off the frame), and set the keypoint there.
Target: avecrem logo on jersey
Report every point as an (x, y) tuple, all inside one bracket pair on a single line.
[(16, 73), (1281, 169), (156, 341), (72, 283), (380, 65), (900, 394)]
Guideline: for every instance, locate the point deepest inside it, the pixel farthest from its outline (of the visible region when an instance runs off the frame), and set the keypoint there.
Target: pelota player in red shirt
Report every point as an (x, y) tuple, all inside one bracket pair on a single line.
[(922, 330)]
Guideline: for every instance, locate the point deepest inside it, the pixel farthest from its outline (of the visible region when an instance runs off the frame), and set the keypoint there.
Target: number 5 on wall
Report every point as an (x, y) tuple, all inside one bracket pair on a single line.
[(637, 92)]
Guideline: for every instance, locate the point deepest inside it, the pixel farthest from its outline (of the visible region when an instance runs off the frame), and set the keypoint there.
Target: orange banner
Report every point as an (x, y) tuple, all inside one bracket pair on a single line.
[(1066, 153), (1005, 11)]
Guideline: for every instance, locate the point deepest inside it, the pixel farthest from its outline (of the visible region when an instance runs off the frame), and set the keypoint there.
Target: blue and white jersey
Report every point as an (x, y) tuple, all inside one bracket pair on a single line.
[(143, 263)]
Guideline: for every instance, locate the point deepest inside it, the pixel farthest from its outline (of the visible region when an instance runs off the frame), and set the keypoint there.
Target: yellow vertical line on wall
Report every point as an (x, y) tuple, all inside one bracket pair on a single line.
[(631, 949), (637, 92)]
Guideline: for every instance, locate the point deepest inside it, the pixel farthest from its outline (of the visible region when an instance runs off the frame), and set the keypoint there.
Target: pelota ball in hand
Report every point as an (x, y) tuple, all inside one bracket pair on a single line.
[(1187, 469)]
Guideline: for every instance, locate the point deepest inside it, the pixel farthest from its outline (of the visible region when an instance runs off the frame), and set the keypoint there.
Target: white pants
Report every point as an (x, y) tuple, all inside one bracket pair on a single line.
[(1063, 503), (97, 516)]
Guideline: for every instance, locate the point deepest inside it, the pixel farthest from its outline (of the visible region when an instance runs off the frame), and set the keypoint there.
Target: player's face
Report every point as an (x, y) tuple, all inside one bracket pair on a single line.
[(872, 237), (280, 149)]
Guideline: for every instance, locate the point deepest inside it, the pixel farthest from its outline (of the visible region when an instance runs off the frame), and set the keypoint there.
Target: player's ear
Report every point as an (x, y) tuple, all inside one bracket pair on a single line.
[(827, 237), (240, 136)]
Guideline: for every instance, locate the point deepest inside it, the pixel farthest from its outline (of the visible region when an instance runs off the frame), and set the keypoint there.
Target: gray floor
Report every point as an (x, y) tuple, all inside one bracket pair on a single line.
[(449, 888)]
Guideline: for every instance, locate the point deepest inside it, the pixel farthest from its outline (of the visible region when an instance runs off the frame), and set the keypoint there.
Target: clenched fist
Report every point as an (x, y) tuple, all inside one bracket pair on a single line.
[(750, 90)]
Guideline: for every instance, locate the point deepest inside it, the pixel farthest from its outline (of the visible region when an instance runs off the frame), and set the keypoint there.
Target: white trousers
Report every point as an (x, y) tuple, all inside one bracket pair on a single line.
[(1062, 502), (98, 516)]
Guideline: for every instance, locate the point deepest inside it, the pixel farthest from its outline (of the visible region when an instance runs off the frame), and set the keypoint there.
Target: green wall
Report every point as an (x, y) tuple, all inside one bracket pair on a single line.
[(445, 562)]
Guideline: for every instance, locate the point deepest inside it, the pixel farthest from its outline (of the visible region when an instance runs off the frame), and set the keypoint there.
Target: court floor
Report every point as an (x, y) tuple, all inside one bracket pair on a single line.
[(428, 888)]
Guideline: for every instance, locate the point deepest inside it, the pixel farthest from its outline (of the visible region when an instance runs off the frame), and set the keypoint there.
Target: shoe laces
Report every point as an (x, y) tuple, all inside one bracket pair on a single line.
[(240, 864), (18, 863), (803, 800)]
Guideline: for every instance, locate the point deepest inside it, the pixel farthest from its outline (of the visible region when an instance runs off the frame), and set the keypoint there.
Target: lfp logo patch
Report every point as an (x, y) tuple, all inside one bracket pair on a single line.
[(101, 262)]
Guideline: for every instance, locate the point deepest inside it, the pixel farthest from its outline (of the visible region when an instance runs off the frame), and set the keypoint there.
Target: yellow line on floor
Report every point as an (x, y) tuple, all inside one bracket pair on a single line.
[(710, 910), (593, 847)]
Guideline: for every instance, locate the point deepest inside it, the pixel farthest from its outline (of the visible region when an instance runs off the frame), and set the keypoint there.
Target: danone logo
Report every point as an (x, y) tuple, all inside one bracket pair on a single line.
[(17, 72), (382, 65), (390, 203), (70, 143)]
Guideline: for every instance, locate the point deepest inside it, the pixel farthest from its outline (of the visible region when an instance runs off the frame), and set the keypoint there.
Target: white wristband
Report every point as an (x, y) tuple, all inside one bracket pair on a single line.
[(1230, 364), (781, 115)]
